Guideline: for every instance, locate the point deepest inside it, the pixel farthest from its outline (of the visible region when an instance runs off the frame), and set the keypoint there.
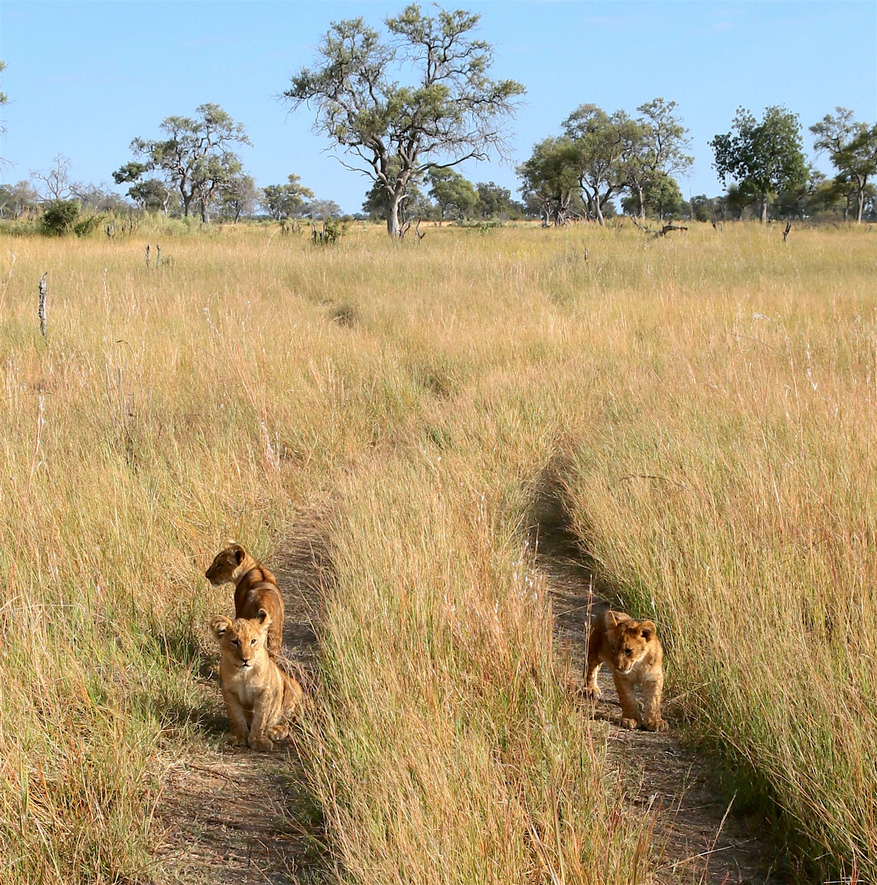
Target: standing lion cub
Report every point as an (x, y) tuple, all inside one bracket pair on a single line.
[(255, 588), (632, 651), (260, 697)]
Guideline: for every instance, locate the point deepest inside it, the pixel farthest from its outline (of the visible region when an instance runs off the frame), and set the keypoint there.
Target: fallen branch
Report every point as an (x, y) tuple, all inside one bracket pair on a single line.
[(645, 230), (669, 227)]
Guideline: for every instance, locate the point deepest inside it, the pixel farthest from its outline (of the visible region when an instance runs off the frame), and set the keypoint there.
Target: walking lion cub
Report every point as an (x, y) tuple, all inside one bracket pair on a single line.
[(632, 651), (260, 698)]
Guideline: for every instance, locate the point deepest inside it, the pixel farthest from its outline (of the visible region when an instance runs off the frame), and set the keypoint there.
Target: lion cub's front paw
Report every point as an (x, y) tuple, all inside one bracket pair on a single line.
[(629, 723), (238, 739), (262, 743), (655, 725), (592, 692), (279, 732)]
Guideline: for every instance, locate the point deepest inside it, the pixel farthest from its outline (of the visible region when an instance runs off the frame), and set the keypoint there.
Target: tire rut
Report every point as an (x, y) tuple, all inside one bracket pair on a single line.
[(702, 839)]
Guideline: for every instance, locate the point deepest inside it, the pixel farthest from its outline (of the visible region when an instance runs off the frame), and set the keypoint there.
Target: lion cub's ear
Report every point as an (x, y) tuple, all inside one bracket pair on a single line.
[(647, 630), (219, 626), (264, 619), (238, 553)]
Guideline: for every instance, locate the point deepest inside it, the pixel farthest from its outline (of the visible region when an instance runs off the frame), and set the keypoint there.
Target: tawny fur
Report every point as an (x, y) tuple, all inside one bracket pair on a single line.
[(260, 698), (632, 651), (255, 588)]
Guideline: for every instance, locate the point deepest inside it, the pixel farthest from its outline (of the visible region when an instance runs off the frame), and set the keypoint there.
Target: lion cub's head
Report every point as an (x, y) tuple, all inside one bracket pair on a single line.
[(242, 641), (630, 641), (225, 563)]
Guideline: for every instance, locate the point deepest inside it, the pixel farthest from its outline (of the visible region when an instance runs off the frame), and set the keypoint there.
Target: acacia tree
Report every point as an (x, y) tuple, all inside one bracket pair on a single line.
[(852, 148), (551, 178), (602, 144), (195, 157), (451, 113), (657, 152), (286, 200), (452, 192), (764, 158), (238, 197)]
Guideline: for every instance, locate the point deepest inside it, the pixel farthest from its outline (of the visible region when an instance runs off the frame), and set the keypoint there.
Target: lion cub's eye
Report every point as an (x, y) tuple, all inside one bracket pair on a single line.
[(628, 652), (235, 642), (252, 642)]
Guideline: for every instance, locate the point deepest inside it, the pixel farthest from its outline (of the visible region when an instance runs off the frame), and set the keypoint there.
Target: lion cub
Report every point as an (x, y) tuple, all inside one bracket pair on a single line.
[(255, 588), (632, 651), (259, 697)]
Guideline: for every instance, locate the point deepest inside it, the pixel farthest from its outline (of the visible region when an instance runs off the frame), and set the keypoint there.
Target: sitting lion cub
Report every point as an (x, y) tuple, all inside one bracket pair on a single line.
[(259, 697), (632, 651), (255, 588)]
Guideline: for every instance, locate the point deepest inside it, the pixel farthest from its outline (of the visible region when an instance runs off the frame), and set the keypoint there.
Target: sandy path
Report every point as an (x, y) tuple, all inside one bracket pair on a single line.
[(704, 841), (235, 816)]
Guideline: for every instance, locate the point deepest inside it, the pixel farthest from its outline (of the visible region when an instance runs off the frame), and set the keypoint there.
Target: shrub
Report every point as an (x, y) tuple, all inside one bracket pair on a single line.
[(59, 217), (86, 225)]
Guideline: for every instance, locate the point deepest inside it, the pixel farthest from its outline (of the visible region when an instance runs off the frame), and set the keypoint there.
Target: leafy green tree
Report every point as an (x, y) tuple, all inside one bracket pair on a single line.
[(551, 178), (286, 200), (764, 158), (153, 195), (852, 148), (238, 197), (602, 144), (660, 194), (702, 208), (453, 193), (195, 157), (415, 205), (658, 152), (451, 113), (495, 201)]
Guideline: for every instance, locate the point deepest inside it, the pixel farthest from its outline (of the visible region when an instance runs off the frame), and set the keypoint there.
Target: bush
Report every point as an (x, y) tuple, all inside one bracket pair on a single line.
[(59, 217), (86, 225)]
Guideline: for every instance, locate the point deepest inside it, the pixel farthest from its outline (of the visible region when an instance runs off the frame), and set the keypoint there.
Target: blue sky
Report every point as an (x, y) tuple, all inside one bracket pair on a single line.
[(84, 78)]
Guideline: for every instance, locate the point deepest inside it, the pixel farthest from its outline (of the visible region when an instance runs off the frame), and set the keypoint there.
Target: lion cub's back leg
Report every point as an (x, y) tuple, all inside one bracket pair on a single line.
[(593, 660)]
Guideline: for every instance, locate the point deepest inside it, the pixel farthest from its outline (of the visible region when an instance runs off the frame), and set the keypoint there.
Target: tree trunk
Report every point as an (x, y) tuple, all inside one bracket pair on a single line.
[(764, 208), (861, 205), (599, 210), (393, 204), (205, 212)]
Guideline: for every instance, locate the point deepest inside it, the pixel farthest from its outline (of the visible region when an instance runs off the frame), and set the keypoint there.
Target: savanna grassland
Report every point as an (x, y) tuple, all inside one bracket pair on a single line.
[(710, 397)]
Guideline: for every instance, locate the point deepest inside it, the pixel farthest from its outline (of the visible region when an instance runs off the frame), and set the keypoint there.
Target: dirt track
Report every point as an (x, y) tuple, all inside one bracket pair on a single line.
[(235, 816), (273, 834), (704, 840)]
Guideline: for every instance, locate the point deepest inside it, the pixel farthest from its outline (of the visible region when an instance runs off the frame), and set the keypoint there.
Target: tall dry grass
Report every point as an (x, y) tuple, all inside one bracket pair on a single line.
[(729, 494), (170, 408), (717, 388)]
